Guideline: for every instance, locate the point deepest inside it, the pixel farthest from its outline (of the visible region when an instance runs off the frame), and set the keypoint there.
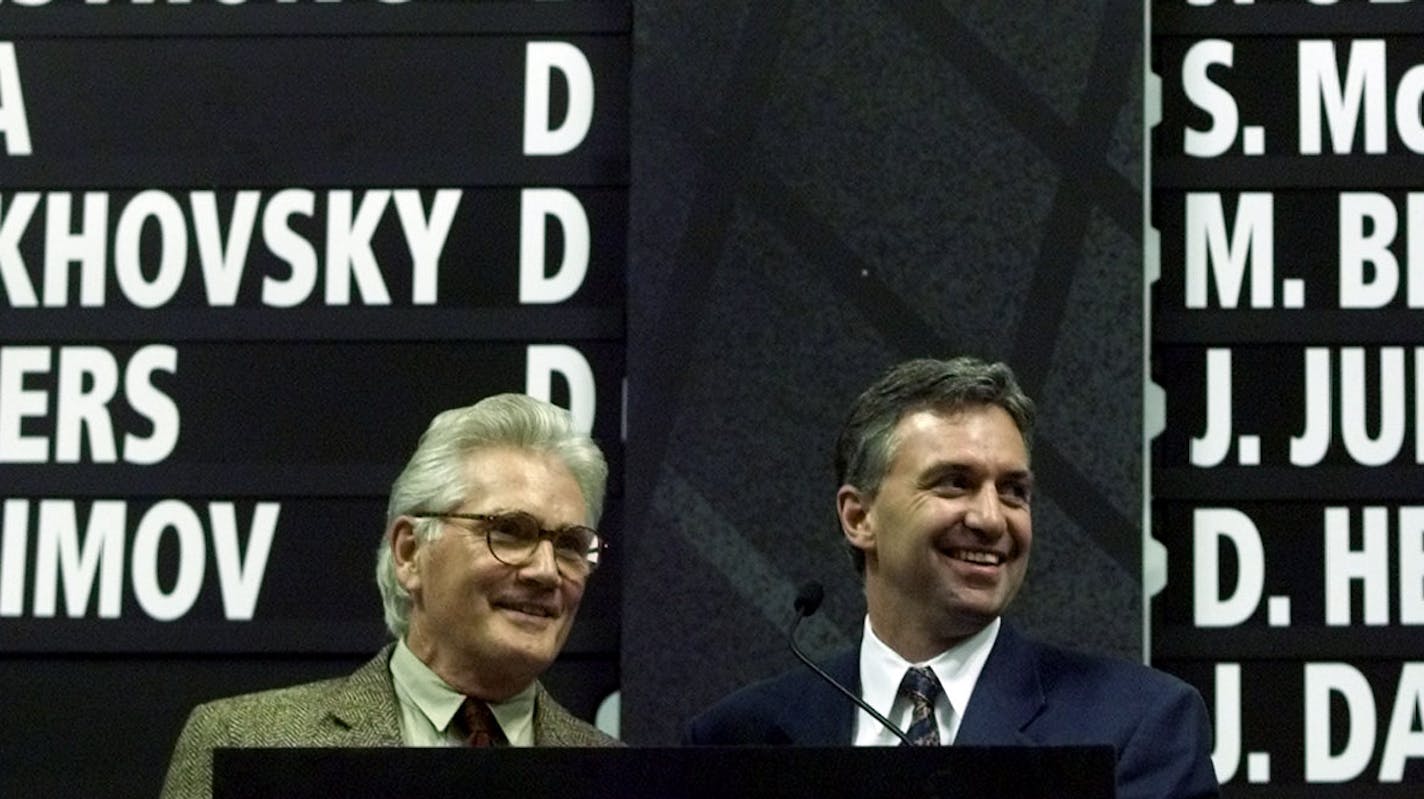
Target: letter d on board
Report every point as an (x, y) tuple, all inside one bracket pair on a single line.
[(546, 359), (1322, 762), (1209, 527), (536, 206), (540, 61)]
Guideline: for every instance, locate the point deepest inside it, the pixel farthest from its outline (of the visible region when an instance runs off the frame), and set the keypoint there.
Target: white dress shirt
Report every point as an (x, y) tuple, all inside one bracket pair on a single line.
[(881, 671), (428, 705)]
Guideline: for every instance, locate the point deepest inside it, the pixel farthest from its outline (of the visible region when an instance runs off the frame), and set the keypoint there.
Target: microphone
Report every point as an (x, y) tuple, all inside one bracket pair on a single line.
[(808, 601)]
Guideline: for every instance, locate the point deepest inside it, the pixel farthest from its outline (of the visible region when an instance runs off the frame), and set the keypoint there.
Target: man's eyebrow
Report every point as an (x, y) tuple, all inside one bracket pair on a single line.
[(939, 470), (1026, 475)]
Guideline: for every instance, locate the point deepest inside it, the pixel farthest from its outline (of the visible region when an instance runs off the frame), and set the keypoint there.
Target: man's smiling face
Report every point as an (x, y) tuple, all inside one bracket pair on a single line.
[(947, 534), (485, 627)]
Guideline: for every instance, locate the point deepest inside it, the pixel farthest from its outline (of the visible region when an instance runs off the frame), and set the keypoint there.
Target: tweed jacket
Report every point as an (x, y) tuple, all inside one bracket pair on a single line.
[(359, 710)]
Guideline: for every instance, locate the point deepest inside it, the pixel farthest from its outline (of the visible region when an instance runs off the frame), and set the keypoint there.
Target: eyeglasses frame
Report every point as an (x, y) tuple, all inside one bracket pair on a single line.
[(599, 550)]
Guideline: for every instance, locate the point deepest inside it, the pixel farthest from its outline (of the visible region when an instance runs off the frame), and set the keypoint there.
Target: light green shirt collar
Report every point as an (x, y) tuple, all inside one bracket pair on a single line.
[(428, 705)]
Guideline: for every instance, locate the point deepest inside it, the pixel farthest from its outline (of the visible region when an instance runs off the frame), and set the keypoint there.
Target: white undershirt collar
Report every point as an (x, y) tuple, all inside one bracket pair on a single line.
[(882, 669)]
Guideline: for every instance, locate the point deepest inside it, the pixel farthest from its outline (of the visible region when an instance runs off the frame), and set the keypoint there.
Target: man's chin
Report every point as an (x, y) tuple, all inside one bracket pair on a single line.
[(537, 649), (981, 605), (966, 620)]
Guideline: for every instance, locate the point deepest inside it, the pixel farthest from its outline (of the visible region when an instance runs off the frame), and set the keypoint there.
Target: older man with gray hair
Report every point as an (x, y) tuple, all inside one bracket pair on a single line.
[(490, 540)]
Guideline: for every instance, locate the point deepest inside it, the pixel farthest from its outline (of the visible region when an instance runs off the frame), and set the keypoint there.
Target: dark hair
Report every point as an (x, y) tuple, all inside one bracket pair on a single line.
[(867, 444)]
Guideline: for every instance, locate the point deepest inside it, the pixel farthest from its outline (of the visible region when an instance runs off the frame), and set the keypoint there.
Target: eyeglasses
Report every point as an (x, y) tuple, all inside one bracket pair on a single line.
[(514, 537)]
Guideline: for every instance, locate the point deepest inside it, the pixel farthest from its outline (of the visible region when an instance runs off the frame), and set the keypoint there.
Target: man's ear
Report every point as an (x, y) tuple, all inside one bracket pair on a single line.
[(404, 544), (853, 508)]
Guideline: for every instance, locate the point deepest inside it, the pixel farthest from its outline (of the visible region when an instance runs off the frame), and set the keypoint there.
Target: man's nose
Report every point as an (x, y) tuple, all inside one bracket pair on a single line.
[(543, 565), (986, 514)]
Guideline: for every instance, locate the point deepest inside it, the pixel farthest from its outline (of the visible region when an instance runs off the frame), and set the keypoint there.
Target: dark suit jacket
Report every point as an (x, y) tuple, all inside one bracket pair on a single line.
[(360, 710), (1029, 694)]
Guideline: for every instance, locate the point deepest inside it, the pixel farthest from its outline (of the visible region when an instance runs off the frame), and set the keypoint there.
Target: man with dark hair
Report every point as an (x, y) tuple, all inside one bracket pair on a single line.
[(935, 504), (489, 543)]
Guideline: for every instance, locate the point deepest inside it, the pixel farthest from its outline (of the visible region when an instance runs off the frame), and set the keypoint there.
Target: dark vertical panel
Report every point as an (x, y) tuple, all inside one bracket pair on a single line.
[(822, 189)]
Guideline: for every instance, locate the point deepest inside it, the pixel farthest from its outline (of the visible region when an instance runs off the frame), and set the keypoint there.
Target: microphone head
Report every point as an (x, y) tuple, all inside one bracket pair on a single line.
[(808, 598)]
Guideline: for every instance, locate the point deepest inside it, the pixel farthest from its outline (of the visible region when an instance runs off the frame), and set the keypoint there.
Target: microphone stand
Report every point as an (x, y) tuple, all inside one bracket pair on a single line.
[(808, 601)]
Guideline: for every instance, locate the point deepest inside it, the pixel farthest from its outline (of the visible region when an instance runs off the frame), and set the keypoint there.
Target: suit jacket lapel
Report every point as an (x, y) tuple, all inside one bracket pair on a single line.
[(1007, 697), (553, 725), (363, 710)]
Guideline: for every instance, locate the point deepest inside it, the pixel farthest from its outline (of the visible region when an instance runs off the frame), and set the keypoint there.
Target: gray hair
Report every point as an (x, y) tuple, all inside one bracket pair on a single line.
[(434, 478), (867, 442)]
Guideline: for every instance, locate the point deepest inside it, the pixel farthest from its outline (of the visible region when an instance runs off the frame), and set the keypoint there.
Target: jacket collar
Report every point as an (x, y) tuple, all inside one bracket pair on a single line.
[(365, 710)]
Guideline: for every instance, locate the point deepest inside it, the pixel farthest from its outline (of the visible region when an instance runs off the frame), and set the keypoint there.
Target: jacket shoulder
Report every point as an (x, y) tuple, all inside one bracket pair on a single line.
[(1107, 678), (793, 707), (251, 718)]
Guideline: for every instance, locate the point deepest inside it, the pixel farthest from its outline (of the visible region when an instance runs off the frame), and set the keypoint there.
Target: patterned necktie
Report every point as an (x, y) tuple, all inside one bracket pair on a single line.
[(481, 728), (922, 688)]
